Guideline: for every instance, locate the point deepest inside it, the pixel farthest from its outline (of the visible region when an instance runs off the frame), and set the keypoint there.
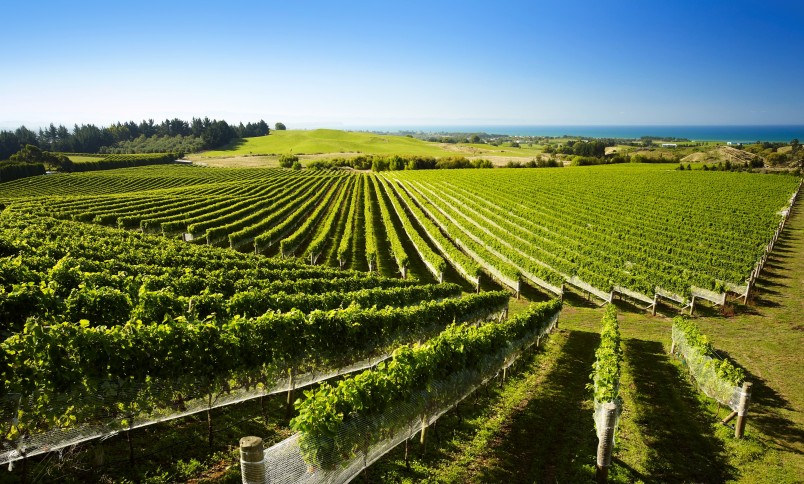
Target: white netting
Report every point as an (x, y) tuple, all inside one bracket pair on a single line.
[(600, 418), (113, 409), (702, 369), (715, 297), (607, 419), (580, 284), (361, 441), (634, 294)]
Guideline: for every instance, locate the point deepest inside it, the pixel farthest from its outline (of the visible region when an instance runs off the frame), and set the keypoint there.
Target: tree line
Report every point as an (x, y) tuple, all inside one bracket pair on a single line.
[(88, 138), (394, 162)]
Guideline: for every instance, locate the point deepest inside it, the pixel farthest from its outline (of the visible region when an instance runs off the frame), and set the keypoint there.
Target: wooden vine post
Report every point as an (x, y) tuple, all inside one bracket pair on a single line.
[(742, 409), (605, 444), (291, 392), (252, 460)]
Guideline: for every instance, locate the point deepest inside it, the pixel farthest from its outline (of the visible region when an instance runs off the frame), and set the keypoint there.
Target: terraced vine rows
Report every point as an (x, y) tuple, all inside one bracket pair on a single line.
[(543, 227)]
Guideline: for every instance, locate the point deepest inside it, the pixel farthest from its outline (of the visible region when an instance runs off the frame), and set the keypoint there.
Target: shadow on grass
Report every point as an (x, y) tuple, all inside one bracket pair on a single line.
[(535, 295), (233, 145), (675, 426), (578, 300), (552, 438)]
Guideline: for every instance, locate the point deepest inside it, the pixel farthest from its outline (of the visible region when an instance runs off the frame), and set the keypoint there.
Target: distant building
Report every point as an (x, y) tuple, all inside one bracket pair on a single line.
[(669, 145)]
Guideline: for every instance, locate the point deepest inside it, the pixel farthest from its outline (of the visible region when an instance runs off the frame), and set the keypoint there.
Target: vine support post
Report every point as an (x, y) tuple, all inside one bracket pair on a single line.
[(742, 409), (252, 460), (130, 443), (673, 348), (692, 306), (423, 436), (291, 391), (210, 437), (24, 478), (605, 444), (561, 296), (653, 306), (97, 454)]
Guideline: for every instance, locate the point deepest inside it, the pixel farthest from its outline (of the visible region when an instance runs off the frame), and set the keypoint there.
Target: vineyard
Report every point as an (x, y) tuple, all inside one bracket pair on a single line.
[(703, 235), (138, 296)]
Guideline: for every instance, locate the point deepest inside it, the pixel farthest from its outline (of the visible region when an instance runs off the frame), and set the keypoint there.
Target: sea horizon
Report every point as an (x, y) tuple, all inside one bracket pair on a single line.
[(726, 133)]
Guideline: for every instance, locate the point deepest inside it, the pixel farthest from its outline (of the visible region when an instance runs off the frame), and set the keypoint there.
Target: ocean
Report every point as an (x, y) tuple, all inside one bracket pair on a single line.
[(735, 134)]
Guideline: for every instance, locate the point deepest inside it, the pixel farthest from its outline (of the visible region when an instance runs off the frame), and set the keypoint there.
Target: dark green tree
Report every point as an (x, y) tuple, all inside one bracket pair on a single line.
[(287, 161), (218, 134), (33, 155), (280, 126)]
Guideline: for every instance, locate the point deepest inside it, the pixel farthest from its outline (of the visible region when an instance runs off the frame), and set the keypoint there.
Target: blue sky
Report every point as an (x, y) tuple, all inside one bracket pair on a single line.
[(311, 63)]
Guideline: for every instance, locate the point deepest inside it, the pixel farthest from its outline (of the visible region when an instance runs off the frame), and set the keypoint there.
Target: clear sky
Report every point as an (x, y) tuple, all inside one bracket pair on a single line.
[(350, 63)]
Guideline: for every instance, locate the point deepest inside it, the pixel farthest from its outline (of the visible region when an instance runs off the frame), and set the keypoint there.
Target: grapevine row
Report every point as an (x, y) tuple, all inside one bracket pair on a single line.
[(397, 249), (434, 262)]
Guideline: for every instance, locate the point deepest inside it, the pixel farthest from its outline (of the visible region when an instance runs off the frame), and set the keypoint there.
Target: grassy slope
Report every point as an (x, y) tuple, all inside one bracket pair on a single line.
[(84, 159), (337, 142)]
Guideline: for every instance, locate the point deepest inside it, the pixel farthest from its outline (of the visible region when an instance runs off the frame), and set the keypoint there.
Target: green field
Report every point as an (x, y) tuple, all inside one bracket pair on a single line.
[(337, 143), (83, 159), (98, 285)]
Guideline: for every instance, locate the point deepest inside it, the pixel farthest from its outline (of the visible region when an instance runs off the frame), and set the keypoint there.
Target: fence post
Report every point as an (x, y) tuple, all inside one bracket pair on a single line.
[(252, 460), (605, 444), (742, 409)]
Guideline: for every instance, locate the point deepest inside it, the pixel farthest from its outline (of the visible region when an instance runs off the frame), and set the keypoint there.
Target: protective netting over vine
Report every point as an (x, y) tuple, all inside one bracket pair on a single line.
[(600, 418), (361, 441), (703, 368), (104, 415), (79, 417)]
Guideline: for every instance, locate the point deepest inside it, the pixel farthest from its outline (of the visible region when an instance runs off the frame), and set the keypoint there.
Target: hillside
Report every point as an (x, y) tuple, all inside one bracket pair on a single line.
[(262, 150), (720, 154)]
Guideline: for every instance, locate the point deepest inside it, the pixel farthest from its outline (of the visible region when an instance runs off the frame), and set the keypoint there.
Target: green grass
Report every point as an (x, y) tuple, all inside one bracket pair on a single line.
[(84, 159), (336, 142)]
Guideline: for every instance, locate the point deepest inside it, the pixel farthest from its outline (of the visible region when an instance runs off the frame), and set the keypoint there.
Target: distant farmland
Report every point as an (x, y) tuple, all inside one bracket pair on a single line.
[(346, 143)]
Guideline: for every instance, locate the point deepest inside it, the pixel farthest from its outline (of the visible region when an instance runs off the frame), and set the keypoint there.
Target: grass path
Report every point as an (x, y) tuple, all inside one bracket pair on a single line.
[(549, 437), (674, 439)]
